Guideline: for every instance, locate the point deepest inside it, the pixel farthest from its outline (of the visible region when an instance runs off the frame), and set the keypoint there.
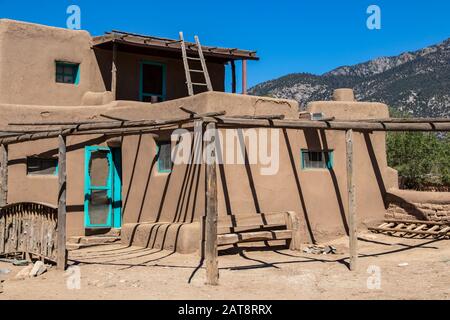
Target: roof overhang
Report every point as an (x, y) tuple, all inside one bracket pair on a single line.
[(141, 44)]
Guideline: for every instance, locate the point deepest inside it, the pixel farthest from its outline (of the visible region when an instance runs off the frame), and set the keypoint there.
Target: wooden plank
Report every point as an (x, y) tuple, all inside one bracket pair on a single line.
[(417, 221), (255, 219), (61, 227), (229, 229), (293, 223), (410, 231), (3, 175), (211, 253), (232, 238), (352, 220)]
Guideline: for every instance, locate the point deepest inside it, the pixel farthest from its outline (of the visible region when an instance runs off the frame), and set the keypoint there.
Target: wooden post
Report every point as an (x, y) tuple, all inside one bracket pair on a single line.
[(233, 76), (3, 175), (352, 223), (244, 76), (61, 226), (293, 224), (114, 71), (211, 254)]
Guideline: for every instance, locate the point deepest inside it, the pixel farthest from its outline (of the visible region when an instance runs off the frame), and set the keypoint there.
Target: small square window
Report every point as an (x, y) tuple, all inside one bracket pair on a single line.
[(317, 159), (41, 166), (164, 150), (67, 72)]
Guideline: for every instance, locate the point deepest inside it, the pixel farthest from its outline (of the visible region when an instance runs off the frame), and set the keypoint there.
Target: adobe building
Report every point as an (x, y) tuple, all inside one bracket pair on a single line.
[(129, 182)]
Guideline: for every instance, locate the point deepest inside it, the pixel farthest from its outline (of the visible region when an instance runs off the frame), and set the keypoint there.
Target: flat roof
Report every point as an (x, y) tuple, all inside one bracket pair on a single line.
[(137, 43)]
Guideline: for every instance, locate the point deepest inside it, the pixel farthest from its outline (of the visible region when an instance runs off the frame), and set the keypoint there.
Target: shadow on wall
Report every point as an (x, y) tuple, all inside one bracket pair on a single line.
[(187, 192), (187, 183)]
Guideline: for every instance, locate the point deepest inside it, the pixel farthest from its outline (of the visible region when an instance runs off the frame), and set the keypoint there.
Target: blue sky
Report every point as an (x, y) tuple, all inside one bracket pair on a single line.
[(289, 35)]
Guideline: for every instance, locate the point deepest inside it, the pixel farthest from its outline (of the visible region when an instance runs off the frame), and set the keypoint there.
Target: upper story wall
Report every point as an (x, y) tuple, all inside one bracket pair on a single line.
[(28, 53)]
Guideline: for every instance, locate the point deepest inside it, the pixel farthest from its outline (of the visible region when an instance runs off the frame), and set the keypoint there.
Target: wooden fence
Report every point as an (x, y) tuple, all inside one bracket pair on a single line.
[(31, 228)]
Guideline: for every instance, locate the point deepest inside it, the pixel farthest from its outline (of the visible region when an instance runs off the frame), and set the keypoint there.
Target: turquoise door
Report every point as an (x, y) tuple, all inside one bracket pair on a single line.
[(102, 196)]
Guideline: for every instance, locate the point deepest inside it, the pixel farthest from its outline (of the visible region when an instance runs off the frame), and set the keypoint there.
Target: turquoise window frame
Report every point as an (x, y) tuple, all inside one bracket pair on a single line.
[(330, 162), (158, 165), (75, 71), (75, 74), (143, 94)]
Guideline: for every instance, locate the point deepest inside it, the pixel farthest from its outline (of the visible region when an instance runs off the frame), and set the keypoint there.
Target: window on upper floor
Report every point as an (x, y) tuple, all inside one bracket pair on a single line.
[(317, 159), (67, 72), (153, 82), (42, 166)]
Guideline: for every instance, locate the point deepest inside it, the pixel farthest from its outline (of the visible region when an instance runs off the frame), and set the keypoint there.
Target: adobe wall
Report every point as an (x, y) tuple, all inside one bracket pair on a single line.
[(27, 58), (418, 205), (319, 196)]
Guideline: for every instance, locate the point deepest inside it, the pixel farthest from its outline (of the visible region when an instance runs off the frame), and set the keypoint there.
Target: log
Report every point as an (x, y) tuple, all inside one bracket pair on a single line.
[(244, 76), (3, 175), (86, 127), (351, 211), (211, 254), (334, 125), (61, 226), (114, 71), (233, 76)]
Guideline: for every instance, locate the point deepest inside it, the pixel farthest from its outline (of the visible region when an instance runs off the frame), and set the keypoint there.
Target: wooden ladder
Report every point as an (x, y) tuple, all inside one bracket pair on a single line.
[(188, 70)]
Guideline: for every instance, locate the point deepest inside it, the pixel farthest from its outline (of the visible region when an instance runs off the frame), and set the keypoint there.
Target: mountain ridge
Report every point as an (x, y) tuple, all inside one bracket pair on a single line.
[(414, 82)]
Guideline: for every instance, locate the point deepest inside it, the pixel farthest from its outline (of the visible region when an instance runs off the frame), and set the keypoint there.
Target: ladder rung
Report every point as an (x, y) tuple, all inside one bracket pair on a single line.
[(195, 70), (192, 58), (199, 84)]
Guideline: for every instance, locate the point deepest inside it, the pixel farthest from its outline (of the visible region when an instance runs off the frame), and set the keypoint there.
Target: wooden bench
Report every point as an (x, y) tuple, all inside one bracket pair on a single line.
[(232, 229)]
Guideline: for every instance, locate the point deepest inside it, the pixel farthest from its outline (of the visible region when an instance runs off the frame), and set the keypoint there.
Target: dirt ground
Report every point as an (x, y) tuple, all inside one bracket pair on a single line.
[(388, 268)]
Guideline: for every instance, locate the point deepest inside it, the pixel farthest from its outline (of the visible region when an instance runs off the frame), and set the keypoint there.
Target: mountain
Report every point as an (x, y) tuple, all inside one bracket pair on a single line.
[(417, 83)]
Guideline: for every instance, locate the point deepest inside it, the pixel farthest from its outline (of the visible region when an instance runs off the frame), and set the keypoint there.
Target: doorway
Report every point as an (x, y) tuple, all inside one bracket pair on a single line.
[(102, 187)]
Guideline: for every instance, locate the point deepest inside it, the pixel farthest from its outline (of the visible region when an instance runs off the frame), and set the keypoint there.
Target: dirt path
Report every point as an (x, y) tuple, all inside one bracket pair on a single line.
[(116, 272)]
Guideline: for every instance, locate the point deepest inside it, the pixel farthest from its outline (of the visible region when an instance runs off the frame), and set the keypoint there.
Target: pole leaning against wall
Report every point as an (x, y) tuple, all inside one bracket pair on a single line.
[(62, 191), (352, 223), (3, 175), (211, 253)]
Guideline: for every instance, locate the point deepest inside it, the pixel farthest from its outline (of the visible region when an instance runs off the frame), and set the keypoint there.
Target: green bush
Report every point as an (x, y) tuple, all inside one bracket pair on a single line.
[(422, 159)]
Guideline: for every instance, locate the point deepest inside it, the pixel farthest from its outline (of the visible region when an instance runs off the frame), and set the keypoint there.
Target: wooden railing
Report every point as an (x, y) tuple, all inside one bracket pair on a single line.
[(29, 227)]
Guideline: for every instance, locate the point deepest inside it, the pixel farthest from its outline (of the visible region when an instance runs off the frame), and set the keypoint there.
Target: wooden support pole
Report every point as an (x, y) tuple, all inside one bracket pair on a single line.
[(352, 223), (61, 226), (211, 254), (3, 175), (244, 76), (233, 76), (114, 71)]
